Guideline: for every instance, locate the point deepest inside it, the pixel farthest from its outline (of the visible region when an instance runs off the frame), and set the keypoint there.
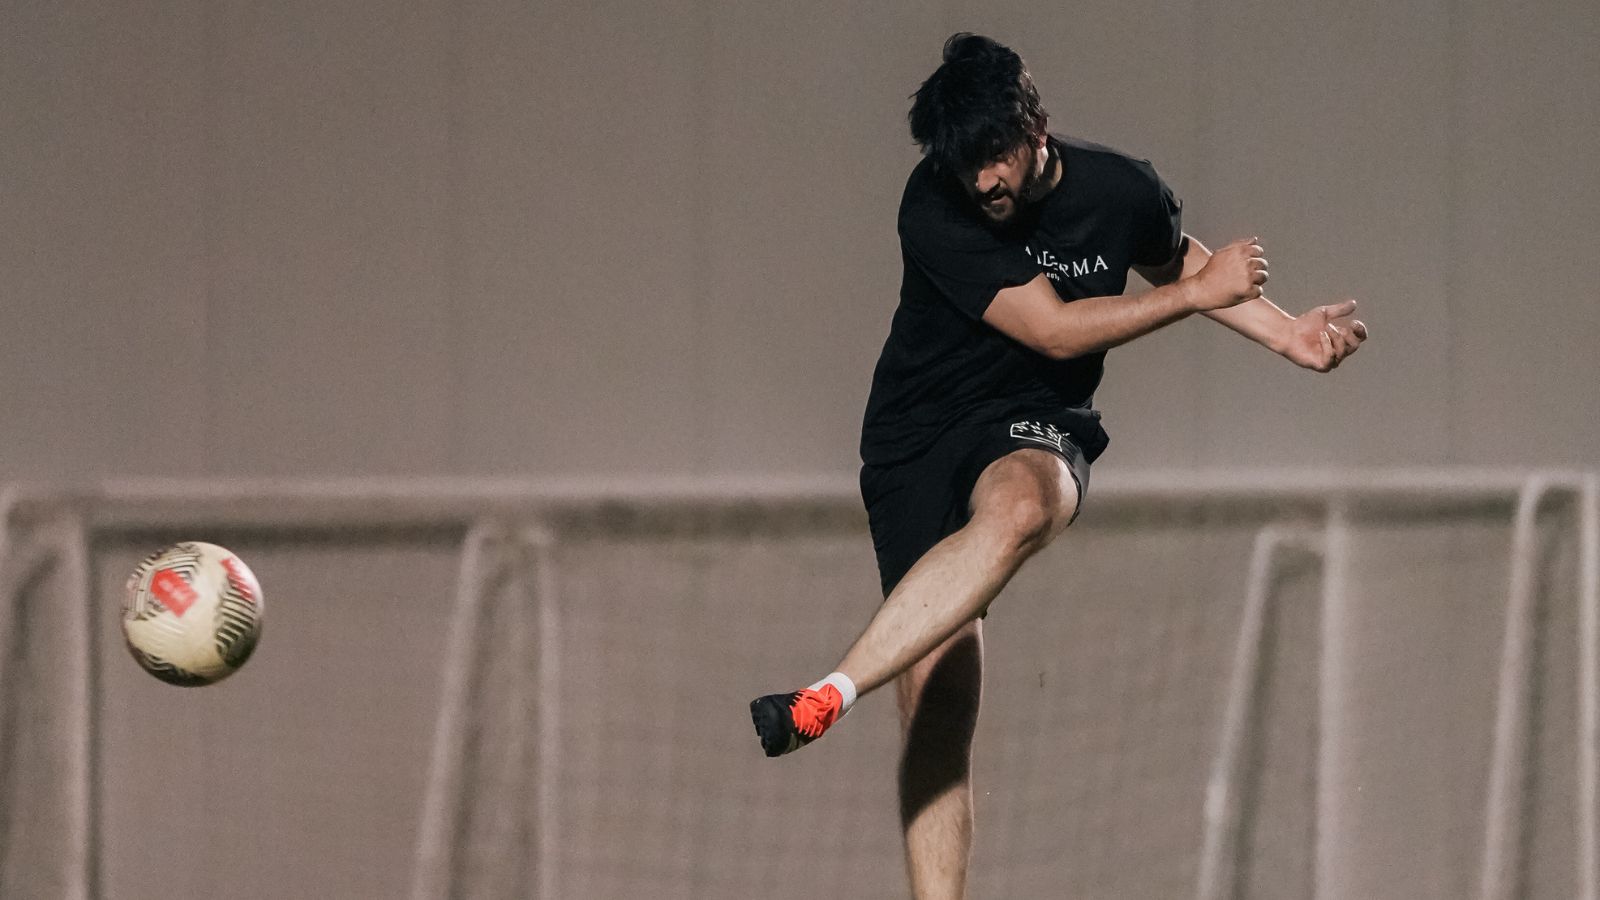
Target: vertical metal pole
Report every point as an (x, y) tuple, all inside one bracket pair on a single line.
[(80, 705), (9, 596), (1589, 690), (441, 803), (13, 579), (1508, 766), (1220, 848), (543, 544), (8, 501), (1329, 815)]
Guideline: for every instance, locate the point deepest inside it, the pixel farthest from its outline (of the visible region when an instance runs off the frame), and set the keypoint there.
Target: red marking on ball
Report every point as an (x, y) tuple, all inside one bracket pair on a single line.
[(172, 591), (238, 579)]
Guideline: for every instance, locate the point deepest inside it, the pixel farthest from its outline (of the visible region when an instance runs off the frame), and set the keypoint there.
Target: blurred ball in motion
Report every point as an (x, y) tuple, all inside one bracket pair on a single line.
[(192, 614)]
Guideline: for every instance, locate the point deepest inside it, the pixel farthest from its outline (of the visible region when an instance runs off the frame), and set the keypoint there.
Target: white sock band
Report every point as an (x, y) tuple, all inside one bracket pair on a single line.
[(842, 683)]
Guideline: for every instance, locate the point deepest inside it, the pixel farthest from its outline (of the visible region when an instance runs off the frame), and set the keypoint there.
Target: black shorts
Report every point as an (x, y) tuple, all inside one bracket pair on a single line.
[(916, 503)]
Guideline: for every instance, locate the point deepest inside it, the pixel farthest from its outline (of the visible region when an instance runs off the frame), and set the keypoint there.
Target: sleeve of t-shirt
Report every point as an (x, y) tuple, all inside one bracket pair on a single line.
[(963, 260), (1157, 220)]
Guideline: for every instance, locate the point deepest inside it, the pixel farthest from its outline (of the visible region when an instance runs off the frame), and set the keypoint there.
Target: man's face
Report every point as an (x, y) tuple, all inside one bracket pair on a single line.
[(1004, 186)]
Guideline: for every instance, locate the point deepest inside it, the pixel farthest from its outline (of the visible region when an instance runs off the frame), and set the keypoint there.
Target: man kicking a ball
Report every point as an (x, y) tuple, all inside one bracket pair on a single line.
[(980, 427)]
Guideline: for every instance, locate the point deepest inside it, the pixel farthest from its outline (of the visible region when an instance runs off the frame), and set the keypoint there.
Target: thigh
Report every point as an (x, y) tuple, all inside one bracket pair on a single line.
[(1030, 493), (913, 505), (1028, 461)]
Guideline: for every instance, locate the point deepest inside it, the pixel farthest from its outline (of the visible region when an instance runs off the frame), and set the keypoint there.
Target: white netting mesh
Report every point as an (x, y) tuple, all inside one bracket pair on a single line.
[(607, 751)]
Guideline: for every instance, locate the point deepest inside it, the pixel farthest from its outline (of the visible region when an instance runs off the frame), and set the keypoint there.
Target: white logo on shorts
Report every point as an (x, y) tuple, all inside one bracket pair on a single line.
[(1041, 433)]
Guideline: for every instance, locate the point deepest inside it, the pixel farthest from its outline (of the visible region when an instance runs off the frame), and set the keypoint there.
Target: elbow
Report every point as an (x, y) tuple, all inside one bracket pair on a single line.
[(1063, 350), (1069, 337), (1061, 344)]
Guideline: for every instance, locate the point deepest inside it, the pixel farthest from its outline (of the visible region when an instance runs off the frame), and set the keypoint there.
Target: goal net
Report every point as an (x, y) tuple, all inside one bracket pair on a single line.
[(1246, 691)]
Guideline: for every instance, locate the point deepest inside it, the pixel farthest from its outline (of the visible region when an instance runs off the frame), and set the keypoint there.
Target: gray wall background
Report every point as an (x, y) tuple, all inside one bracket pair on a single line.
[(478, 236)]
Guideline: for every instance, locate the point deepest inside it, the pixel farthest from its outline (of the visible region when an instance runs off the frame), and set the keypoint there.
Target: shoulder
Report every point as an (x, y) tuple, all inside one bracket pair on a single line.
[(1103, 166), (927, 194), (932, 213)]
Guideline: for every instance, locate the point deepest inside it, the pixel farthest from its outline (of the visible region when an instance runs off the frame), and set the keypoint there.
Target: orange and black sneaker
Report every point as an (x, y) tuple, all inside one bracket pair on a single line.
[(787, 722)]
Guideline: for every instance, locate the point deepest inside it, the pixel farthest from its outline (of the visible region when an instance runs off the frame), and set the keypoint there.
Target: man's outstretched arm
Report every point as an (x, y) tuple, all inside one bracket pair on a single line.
[(1313, 340), (1034, 315)]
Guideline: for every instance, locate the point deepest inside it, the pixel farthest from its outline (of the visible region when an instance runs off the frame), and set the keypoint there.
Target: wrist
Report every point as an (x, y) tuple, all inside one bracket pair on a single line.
[(1192, 294), (1280, 336)]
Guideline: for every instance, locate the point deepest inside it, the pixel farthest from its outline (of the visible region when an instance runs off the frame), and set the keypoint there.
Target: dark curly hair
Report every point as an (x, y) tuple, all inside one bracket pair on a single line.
[(979, 105)]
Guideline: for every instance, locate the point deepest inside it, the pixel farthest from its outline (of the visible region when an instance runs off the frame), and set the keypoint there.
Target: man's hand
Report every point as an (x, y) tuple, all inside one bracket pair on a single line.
[(1315, 341), (1233, 275)]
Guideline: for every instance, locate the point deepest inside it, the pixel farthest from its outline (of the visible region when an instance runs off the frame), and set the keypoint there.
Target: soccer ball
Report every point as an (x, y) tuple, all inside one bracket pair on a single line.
[(192, 613)]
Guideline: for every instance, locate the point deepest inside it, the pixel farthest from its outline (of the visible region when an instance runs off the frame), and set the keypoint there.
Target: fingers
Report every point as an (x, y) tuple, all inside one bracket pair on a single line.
[(1237, 272), (1354, 337), (1340, 342), (1339, 310), (1339, 338), (1255, 266), (1246, 246)]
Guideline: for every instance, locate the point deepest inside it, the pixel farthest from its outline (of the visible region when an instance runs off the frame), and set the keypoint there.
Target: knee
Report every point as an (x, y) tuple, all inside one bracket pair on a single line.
[(1025, 526), (1027, 506)]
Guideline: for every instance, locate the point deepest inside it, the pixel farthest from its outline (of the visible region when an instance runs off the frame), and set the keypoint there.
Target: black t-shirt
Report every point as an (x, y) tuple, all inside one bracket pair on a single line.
[(942, 365)]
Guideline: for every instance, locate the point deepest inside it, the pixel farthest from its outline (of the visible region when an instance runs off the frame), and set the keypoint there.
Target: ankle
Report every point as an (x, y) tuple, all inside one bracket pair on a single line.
[(841, 683)]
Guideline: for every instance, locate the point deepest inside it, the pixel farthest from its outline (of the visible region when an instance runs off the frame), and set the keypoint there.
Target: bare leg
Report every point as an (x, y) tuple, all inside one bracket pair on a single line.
[(928, 633), (1021, 502), (938, 698)]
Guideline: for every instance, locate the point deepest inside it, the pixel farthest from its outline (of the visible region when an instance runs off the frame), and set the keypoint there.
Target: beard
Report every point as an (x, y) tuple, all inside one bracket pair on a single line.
[(1002, 208)]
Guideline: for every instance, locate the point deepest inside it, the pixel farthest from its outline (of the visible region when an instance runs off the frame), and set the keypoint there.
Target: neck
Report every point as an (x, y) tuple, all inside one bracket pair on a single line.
[(1052, 170)]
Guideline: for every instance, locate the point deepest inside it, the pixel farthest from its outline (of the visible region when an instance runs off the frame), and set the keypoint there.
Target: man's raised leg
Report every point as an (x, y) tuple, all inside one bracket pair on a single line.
[(1020, 503)]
